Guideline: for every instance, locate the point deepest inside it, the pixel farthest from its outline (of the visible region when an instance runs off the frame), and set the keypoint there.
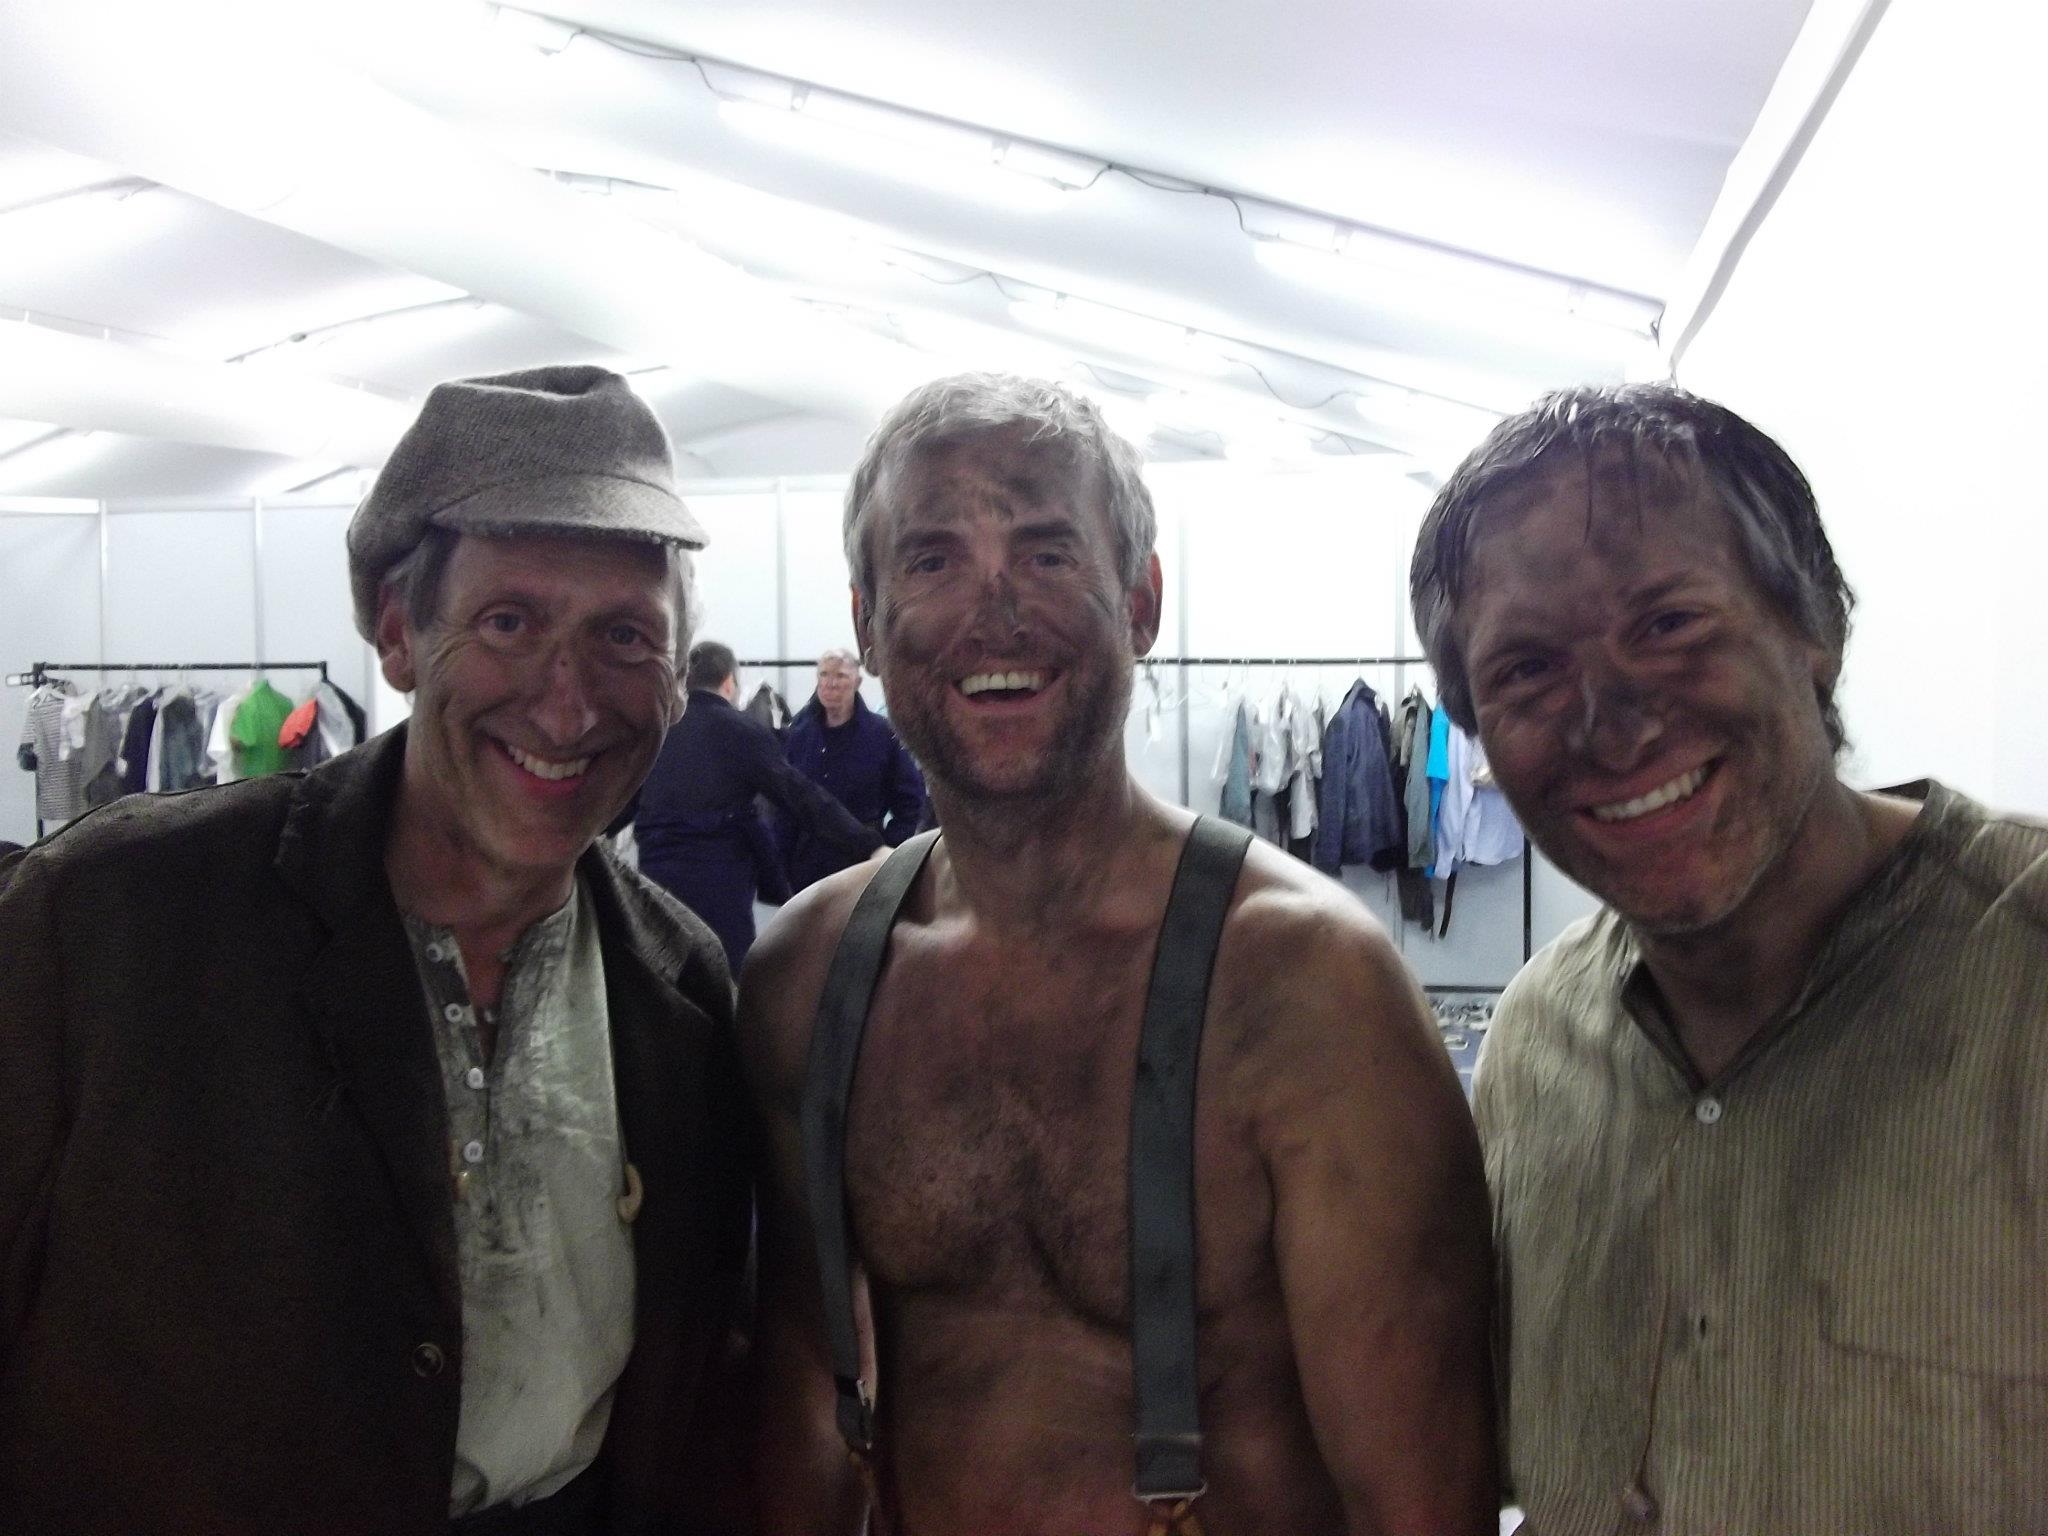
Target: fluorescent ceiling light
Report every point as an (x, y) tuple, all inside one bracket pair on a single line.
[(1227, 417), (1402, 275), (918, 150), (1119, 330)]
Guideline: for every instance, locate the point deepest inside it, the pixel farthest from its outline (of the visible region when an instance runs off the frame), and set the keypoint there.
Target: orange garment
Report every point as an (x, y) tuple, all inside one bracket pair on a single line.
[(298, 725)]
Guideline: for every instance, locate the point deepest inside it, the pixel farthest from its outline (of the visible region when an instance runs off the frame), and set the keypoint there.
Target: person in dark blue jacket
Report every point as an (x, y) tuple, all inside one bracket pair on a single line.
[(699, 833), (842, 745)]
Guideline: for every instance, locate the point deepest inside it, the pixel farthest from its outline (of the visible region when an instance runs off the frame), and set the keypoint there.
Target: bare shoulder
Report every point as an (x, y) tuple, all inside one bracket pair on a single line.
[(1312, 998), (783, 976)]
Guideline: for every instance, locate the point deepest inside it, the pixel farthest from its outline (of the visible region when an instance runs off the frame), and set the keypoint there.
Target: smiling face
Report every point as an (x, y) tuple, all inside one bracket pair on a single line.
[(1652, 718), (1001, 630), (541, 695)]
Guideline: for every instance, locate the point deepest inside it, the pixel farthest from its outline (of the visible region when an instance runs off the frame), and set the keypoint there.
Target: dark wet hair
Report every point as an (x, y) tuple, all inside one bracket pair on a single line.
[(1663, 435)]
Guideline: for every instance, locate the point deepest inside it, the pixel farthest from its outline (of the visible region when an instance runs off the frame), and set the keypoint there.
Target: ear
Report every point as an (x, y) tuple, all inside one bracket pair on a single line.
[(1146, 599), (863, 630), (394, 644)]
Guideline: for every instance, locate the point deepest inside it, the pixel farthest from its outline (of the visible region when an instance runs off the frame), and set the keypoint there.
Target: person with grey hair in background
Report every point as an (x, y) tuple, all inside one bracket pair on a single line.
[(1034, 1269), (1768, 1136), (853, 753), (400, 1184), (697, 819)]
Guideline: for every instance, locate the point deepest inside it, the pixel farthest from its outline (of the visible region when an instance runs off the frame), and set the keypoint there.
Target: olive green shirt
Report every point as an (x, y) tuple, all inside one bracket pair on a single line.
[(1812, 1294)]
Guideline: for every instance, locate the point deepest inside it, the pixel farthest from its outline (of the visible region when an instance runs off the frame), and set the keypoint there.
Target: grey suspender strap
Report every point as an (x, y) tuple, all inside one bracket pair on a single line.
[(828, 1084), (1169, 1436), (1169, 1439)]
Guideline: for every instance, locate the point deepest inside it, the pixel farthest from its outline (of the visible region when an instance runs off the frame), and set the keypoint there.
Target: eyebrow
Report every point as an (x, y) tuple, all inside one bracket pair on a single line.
[(1048, 528)]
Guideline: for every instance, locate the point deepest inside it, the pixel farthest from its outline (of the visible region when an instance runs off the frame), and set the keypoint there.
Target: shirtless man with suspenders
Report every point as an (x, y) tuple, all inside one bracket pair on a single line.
[(957, 1037)]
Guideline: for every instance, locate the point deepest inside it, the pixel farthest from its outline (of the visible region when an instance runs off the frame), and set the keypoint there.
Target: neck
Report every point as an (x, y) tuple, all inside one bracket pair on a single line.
[(1724, 984), (438, 877), (1034, 868), (839, 716)]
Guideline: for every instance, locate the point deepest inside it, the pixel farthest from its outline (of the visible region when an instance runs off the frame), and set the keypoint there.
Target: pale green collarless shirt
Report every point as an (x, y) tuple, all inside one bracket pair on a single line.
[(1811, 1295), (546, 1259)]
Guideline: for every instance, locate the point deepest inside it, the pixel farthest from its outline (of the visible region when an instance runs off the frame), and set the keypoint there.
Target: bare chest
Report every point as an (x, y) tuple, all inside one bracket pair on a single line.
[(988, 1139)]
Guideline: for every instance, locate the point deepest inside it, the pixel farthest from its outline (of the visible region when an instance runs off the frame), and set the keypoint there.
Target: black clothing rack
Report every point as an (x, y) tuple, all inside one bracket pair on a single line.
[(1528, 926), (1528, 861), (39, 672)]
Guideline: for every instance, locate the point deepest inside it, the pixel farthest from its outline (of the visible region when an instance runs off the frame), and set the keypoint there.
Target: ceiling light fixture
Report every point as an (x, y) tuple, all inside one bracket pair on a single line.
[(1120, 330), (1407, 274), (908, 145)]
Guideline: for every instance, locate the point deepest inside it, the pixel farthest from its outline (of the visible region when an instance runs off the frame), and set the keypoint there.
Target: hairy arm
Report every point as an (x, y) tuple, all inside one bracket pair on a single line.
[(804, 1479), (1380, 1228)]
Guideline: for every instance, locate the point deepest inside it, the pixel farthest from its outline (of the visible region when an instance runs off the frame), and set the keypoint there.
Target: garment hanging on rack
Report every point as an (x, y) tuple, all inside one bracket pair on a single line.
[(770, 708), (1359, 822), (60, 786), (1475, 824)]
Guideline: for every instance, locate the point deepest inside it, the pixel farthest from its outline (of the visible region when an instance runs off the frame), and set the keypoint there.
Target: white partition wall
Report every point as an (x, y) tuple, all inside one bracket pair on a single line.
[(1259, 562)]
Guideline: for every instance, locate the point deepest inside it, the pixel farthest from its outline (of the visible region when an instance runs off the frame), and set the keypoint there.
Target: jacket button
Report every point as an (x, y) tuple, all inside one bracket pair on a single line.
[(427, 1360)]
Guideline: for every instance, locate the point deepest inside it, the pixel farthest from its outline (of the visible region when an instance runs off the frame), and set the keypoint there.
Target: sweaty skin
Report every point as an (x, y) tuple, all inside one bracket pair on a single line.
[(1344, 1267)]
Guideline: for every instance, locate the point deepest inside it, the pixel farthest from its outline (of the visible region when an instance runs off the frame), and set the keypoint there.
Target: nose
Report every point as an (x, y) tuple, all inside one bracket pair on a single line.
[(997, 617), (1619, 723), (563, 709)]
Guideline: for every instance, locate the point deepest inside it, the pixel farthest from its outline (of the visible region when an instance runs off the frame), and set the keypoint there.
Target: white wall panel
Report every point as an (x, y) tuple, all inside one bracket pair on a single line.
[(49, 611), (181, 586)]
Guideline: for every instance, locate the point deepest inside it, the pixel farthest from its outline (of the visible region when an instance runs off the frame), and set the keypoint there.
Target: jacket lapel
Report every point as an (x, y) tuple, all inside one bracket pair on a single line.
[(362, 989)]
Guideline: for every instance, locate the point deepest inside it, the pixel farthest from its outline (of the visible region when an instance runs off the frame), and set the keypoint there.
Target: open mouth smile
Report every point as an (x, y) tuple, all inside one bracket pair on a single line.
[(1019, 684), (1682, 788), (553, 770)]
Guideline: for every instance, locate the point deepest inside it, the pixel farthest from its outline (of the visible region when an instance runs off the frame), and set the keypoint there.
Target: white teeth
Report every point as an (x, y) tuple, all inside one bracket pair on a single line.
[(1679, 788), (541, 768), (982, 682)]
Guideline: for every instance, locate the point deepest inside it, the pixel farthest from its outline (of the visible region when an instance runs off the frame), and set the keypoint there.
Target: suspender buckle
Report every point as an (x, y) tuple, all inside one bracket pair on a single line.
[(1169, 1468), (856, 1413)]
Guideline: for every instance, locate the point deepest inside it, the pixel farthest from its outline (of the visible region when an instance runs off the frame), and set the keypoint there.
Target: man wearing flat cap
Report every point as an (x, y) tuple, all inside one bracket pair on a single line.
[(371, 1155)]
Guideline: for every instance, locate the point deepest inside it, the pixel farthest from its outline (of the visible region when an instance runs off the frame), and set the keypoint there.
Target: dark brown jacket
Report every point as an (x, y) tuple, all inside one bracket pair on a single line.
[(228, 1291)]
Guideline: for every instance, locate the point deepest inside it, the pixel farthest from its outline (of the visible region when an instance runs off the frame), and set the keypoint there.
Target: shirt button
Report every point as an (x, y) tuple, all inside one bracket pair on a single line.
[(473, 1152), (453, 1013), (1637, 1504), (474, 1077), (427, 1360), (436, 952), (1707, 1111)]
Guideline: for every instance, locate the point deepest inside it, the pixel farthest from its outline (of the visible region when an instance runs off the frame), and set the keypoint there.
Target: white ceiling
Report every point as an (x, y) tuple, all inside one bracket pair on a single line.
[(1582, 138)]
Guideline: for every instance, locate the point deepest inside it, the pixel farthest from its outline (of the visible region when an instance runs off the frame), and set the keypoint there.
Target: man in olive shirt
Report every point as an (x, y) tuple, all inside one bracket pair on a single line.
[(1766, 1137)]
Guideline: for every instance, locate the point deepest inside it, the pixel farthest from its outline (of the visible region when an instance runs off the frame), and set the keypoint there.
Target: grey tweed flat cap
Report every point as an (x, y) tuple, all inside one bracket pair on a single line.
[(564, 449)]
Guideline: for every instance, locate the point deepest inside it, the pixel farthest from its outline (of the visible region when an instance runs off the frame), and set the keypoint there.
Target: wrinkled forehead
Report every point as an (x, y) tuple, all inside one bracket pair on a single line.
[(1006, 471)]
